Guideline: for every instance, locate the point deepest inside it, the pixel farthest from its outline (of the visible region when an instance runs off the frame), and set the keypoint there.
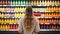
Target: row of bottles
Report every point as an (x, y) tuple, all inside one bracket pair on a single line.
[(8, 27), (4, 2), (22, 9), (46, 3), (16, 9), (52, 14), (16, 15), (20, 2), (53, 9), (33, 2), (50, 26), (49, 20), (10, 21)]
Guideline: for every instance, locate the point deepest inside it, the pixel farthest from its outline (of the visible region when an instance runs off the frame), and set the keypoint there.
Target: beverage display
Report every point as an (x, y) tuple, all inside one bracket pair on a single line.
[(11, 11)]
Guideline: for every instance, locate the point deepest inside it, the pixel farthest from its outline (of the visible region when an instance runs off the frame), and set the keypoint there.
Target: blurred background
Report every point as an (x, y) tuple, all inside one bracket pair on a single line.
[(47, 12)]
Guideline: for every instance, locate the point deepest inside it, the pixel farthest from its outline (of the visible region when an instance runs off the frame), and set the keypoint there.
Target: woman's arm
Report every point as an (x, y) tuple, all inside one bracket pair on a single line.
[(20, 28), (37, 28)]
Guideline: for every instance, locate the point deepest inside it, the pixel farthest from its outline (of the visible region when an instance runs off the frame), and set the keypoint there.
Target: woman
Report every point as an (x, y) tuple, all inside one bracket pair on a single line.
[(29, 24)]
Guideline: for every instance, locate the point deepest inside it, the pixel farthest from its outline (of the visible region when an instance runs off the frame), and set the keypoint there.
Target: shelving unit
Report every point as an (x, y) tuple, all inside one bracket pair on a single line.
[(47, 12)]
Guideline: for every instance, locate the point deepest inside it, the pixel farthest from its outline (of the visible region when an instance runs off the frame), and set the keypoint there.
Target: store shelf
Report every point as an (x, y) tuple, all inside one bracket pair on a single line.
[(34, 6), (40, 30), (34, 12), (49, 29), (10, 30), (11, 12)]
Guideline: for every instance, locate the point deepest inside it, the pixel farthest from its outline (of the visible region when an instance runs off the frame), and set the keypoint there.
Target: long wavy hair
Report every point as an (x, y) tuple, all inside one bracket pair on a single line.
[(29, 18)]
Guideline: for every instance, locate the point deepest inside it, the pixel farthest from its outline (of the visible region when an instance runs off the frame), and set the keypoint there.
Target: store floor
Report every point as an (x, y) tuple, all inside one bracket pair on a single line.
[(41, 32)]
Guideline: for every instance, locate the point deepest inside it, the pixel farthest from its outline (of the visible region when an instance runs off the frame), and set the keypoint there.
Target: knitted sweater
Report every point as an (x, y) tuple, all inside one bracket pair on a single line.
[(35, 27)]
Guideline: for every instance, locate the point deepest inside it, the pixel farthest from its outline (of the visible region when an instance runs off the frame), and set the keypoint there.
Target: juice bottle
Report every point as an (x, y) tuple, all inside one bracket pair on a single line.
[(40, 3), (3, 3), (54, 9), (47, 3), (16, 2), (55, 3), (59, 8), (58, 3), (29, 2), (21, 3), (18, 9), (5, 27), (16, 26), (1, 9), (8, 2), (43, 3), (35, 2), (50, 2), (10, 21), (0, 2), (8, 26), (47, 9), (0, 27), (32, 2), (13, 3)]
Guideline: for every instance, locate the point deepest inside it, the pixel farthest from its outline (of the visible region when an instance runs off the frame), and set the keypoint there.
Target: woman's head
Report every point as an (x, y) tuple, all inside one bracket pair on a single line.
[(29, 11), (28, 20)]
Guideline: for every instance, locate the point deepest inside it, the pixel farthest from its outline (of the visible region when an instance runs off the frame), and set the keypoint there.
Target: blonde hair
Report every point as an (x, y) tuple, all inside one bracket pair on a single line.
[(29, 18)]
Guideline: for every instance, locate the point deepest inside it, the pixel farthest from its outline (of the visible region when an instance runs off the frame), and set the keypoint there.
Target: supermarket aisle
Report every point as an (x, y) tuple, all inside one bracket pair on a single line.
[(41, 32)]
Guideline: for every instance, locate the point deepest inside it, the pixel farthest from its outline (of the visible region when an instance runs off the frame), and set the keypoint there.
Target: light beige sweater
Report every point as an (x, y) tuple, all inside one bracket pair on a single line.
[(35, 26)]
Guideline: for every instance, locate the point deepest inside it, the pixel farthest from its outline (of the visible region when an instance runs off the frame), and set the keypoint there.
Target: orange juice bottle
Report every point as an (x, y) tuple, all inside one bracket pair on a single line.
[(0, 20), (59, 8), (45, 20), (40, 20), (52, 9), (0, 27), (47, 9), (56, 9), (4, 21), (8, 27)]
